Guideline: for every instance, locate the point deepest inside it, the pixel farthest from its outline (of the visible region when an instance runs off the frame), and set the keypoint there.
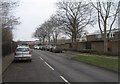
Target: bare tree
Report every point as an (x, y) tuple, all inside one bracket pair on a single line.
[(8, 20), (41, 33), (36, 34), (107, 13), (56, 26), (49, 29), (56, 33), (75, 17)]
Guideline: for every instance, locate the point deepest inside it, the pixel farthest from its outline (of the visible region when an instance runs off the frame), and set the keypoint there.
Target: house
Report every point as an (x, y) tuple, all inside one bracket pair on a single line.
[(96, 42), (114, 35)]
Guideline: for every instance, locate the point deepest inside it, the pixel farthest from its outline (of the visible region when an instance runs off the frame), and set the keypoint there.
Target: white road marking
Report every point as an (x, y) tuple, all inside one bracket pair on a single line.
[(41, 58), (64, 79), (49, 65)]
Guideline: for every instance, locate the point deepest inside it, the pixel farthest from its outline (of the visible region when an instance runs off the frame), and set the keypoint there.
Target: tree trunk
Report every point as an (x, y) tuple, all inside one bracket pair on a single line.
[(43, 41), (56, 39), (105, 38), (39, 40), (72, 38), (49, 40), (75, 41)]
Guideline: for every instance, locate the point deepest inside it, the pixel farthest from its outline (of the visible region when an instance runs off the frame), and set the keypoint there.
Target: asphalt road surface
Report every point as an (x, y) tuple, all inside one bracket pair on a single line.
[(53, 67)]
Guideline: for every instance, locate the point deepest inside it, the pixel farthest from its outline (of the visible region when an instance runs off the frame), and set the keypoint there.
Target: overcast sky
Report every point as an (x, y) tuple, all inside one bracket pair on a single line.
[(32, 13)]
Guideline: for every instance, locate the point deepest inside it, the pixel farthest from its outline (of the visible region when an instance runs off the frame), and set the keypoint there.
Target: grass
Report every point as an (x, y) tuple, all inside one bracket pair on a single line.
[(108, 63)]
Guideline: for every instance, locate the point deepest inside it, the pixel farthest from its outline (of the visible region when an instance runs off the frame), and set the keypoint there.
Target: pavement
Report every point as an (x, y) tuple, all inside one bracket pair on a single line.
[(0, 69), (6, 61)]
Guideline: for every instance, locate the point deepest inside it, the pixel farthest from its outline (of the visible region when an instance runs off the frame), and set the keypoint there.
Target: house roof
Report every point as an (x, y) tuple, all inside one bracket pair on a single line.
[(96, 33)]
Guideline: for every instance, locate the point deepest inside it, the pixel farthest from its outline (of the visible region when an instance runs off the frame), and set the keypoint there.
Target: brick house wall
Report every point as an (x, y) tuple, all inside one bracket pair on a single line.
[(91, 38), (98, 45), (95, 45), (80, 45), (65, 46), (112, 46)]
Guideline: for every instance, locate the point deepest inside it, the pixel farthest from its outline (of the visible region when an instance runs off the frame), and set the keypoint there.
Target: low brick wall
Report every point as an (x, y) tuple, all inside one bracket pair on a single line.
[(6, 61)]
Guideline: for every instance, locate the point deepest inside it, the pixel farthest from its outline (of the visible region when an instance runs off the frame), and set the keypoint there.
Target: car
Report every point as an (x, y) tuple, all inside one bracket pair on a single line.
[(57, 49), (48, 47), (51, 48), (40, 47), (43, 47), (23, 53), (36, 47)]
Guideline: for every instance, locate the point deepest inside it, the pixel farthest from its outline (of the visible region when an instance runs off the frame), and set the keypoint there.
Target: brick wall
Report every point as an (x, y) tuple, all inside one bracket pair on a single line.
[(99, 46), (95, 45), (114, 46), (91, 38)]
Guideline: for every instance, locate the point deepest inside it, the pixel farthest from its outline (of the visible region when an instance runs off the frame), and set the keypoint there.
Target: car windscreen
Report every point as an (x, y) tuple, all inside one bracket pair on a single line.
[(22, 50)]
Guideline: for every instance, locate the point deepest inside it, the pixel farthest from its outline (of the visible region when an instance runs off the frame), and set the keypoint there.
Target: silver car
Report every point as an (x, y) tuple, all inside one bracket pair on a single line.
[(23, 53)]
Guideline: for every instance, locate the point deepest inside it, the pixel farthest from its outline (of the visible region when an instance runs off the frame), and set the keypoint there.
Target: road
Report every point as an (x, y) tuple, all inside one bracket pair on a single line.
[(54, 67)]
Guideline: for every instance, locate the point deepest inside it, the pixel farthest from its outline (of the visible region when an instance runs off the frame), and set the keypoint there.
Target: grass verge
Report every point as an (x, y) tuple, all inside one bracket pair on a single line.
[(107, 63)]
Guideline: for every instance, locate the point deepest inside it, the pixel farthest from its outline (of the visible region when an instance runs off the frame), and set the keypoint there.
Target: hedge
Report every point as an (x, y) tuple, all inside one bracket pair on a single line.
[(8, 48), (91, 51)]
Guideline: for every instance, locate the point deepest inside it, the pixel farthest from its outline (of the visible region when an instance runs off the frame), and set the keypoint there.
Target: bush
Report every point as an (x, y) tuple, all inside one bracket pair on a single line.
[(81, 50), (87, 51), (106, 53), (8, 48), (65, 49), (69, 49), (91, 51)]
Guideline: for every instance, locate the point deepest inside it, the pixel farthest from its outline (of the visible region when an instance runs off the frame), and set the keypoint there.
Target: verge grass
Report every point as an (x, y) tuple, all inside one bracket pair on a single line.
[(107, 63)]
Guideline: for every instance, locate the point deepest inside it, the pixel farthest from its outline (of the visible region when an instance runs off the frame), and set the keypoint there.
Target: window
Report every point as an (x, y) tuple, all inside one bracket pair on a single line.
[(22, 49), (113, 35), (107, 35), (88, 45)]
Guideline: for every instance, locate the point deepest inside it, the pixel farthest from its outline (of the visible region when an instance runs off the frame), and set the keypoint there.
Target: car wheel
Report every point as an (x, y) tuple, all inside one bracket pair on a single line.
[(15, 61), (30, 60)]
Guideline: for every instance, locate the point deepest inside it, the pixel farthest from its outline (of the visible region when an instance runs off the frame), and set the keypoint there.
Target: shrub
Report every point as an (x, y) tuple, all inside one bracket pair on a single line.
[(91, 51), (106, 53), (8, 48), (87, 51)]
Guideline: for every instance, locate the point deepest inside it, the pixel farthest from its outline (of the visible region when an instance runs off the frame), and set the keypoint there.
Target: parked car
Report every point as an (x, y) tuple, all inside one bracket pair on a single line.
[(57, 49), (40, 47), (43, 47), (23, 53), (51, 48), (36, 47), (47, 47)]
